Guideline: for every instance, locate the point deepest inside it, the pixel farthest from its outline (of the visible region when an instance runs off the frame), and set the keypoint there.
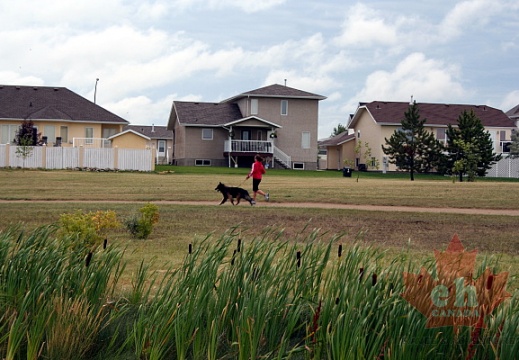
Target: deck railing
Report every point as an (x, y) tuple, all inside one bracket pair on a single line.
[(252, 146)]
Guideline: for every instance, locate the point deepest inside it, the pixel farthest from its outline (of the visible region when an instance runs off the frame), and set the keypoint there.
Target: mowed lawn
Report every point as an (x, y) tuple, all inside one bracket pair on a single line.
[(36, 198)]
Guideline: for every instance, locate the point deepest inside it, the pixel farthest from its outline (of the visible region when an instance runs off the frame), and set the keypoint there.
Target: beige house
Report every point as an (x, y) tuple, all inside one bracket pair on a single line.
[(276, 121), (377, 120), (60, 116), (158, 138)]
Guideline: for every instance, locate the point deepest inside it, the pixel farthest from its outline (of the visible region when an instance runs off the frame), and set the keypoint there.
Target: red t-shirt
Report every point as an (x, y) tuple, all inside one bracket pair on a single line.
[(257, 170)]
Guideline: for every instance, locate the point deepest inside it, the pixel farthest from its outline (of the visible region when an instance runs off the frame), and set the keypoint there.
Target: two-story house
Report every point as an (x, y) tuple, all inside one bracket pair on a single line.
[(278, 122), (373, 122)]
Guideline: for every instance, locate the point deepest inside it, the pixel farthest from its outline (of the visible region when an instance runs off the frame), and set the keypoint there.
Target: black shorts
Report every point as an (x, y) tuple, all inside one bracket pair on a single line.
[(255, 184)]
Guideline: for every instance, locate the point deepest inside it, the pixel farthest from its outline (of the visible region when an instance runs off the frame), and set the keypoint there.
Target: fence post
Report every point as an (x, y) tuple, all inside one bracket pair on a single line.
[(7, 154), (116, 157), (44, 157), (81, 156)]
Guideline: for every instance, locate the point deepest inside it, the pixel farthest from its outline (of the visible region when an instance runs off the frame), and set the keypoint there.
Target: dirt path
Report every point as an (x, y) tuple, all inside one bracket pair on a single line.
[(505, 212)]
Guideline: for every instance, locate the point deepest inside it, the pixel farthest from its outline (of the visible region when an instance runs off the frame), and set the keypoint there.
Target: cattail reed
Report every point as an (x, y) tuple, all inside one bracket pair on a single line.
[(88, 259), (339, 252), (298, 257), (490, 282), (233, 255), (373, 279), (190, 248), (105, 243), (238, 248)]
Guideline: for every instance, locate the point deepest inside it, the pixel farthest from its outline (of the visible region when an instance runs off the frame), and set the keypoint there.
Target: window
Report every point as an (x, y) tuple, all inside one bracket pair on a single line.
[(89, 135), (207, 134), (503, 142), (441, 135), (50, 133), (8, 133), (254, 106), (298, 166), (202, 162), (284, 107), (245, 135), (161, 146), (305, 140), (63, 131)]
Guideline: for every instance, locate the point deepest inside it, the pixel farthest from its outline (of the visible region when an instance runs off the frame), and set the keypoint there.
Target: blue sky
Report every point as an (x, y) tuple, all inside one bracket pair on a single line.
[(147, 54)]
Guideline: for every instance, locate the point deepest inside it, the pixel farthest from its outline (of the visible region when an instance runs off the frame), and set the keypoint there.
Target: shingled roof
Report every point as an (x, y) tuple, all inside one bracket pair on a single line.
[(392, 113), (513, 113), (337, 139), (278, 91), (153, 132), (206, 114), (51, 103)]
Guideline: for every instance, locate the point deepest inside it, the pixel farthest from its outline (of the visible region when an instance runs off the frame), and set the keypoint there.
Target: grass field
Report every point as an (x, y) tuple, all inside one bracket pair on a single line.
[(181, 224), (383, 241)]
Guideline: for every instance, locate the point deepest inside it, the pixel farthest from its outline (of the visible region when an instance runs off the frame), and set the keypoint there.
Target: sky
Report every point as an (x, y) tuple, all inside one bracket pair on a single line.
[(148, 53)]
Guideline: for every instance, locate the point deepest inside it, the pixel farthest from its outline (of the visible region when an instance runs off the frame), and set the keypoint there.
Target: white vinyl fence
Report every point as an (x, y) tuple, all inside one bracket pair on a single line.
[(76, 157), (506, 167)]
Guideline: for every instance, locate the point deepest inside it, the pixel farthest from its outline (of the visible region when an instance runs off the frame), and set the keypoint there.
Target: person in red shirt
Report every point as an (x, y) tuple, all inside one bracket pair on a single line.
[(256, 173)]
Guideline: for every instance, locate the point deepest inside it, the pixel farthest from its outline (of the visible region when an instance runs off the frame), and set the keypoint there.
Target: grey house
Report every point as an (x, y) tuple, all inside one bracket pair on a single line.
[(276, 121)]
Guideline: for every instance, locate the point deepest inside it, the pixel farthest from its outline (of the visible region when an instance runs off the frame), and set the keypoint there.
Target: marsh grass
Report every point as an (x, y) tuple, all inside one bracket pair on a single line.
[(270, 296)]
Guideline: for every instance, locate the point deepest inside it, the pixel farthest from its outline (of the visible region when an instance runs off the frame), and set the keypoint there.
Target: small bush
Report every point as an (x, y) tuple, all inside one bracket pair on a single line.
[(141, 225), (87, 228)]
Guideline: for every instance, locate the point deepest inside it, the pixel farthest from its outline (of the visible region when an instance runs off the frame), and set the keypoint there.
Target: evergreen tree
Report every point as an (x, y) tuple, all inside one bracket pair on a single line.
[(469, 134), (412, 148), (514, 146), (339, 129)]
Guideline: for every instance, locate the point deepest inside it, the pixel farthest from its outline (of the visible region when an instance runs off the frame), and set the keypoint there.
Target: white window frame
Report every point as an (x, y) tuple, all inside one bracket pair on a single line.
[(207, 134), (9, 133), (254, 106), (284, 107), (202, 162), (306, 138), (298, 166)]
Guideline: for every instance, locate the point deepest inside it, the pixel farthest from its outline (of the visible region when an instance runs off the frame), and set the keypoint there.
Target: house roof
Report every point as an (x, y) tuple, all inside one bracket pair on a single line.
[(129, 131), (392, 113), (152, 132), (513, 113), (51, 103), (278, 91), (339, 139), (206, 114)]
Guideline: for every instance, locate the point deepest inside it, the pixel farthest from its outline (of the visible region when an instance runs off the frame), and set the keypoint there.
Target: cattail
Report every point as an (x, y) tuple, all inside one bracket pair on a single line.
[(490, 282), (337, 301), (190, 249), (105, 243), (373, 279), (340, 250), (88, 259), (298, 257), (238, 248), (233, 255)]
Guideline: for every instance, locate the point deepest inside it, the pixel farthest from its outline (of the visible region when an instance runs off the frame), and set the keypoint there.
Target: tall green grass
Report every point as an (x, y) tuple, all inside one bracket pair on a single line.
[(312, 296)]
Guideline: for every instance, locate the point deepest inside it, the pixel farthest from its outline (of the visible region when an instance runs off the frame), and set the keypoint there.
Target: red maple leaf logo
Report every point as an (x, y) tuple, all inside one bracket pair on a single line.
[(455, 298)]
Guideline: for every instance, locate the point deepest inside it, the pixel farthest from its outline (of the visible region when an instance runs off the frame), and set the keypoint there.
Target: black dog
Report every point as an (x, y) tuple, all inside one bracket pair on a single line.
[(231, 193)]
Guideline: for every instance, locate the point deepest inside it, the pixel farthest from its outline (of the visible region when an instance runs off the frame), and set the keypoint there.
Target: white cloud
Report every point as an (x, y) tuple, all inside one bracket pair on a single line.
[(364, 27), (466, 14), (427, 80)]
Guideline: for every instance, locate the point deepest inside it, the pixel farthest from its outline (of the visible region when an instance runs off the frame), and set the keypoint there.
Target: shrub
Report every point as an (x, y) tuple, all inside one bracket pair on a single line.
[(88, 229), (141, 225)]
